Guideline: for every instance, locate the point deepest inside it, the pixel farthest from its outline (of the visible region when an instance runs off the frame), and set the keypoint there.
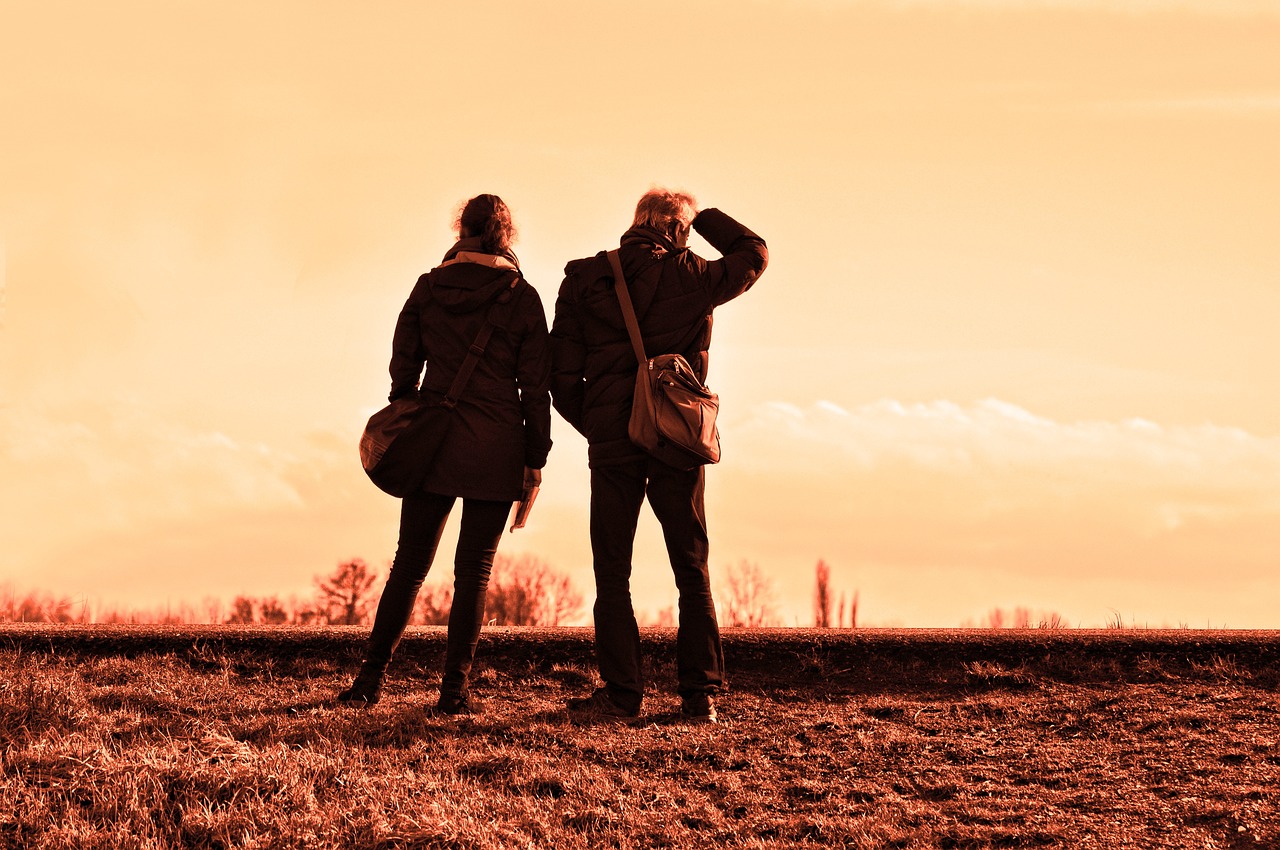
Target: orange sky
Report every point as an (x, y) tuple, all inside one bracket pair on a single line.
[(1015, 345)]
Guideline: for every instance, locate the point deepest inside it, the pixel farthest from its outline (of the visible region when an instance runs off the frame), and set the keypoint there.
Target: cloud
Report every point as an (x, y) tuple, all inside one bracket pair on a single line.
[(993, 433), (939, 511), (119, 466), (113, 503), (991, 484)]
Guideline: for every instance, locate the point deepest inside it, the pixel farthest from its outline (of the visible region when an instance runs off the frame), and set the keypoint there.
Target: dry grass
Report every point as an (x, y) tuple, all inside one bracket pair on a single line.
[(227, 744)]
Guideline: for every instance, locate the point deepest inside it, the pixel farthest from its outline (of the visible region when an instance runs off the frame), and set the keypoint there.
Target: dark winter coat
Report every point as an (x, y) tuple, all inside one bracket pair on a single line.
[(674, 292), (503, 419)]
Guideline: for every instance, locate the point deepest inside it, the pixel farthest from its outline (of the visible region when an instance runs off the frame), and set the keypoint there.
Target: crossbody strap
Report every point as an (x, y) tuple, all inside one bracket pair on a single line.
[(475, 352), (628, 312)]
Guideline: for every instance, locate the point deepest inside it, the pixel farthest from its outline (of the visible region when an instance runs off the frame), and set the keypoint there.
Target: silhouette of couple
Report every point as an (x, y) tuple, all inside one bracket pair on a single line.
[(501, 436)]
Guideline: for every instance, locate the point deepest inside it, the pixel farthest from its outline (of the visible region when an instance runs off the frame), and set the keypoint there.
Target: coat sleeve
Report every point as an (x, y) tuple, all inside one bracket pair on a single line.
[(407, 352), (568, 357), (744, 255), (533, 374)]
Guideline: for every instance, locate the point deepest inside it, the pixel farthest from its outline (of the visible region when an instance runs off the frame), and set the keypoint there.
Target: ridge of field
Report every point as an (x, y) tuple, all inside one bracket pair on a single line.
[(824, 658)]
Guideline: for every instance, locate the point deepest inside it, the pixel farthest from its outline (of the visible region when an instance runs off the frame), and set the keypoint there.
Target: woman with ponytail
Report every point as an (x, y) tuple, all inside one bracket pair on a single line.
[(497, 445)]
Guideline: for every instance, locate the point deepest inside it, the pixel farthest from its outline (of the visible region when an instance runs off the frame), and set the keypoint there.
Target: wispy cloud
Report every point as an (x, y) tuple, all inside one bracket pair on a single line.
[(992, 435), (992, 484), (115, 503), (127, 469)]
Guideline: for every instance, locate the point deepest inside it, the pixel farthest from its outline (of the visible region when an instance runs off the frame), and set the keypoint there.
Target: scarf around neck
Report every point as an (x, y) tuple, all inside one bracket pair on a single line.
[(470, 250)]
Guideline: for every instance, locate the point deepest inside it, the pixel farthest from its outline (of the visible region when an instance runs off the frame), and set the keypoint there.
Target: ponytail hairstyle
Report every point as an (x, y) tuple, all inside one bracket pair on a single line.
[(488, 217)]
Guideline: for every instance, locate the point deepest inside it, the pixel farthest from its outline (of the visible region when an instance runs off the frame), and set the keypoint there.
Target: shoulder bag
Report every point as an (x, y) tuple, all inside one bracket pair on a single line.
[(402, 439)]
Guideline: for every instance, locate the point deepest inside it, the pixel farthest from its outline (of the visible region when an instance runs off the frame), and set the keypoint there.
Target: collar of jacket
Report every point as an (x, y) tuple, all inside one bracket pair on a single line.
[(658, 241), (469, 250), (492, 261)]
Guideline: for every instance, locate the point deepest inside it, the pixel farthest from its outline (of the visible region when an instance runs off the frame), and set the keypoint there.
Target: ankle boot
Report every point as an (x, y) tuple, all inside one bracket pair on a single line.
[(367, 687)]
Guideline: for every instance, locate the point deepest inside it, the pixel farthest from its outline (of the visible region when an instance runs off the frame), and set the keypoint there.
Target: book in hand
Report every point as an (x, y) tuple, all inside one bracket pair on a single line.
[(523, 507)]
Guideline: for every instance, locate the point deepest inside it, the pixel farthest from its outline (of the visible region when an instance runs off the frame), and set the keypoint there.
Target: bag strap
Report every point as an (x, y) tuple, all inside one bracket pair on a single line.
[(476, 351), (628, 312)]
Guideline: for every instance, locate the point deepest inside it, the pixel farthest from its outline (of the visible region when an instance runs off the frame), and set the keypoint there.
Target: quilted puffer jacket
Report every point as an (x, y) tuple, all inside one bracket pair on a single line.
[(674, 292)]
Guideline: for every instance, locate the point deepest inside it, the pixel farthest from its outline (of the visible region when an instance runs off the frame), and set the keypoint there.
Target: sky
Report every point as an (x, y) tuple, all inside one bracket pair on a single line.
[(1015, 346)]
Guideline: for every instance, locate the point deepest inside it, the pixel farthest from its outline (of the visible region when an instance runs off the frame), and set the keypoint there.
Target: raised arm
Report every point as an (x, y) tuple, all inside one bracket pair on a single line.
[(745, 255)]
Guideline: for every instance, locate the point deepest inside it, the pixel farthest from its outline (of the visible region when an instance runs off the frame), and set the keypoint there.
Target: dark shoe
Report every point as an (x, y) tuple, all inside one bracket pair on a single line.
[(366, 689), (698, 708), (458, 704), (600, 706)]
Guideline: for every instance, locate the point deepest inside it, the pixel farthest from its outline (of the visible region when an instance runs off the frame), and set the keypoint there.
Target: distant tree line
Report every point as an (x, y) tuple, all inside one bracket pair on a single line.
[(38, 607), (523, 591)]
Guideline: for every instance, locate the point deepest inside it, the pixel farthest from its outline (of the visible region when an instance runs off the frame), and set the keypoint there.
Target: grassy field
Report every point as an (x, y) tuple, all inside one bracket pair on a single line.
[(226, 737)]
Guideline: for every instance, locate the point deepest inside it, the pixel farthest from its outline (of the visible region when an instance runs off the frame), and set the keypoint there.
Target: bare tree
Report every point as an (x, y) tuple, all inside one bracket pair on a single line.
[(822, 596), (433, 604), (1019, 618), (212, 607), (302, 611), (241, 611), (345, 596), (664, 617), (188, 613), (167, 617), (36, 607), (751, 597), (271, 612), (524, 591)]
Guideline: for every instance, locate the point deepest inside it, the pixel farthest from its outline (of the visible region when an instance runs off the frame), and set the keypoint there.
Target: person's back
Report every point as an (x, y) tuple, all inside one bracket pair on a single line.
[(673, 291), (594, 370), (505, 409)]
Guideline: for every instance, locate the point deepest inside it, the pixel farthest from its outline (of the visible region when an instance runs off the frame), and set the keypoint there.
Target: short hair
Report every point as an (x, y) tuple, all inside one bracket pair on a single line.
[(658, 208), (488, 217)]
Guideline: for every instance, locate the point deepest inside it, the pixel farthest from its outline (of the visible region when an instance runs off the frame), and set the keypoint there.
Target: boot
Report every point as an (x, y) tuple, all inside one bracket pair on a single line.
[(458, 704), (367, 687)]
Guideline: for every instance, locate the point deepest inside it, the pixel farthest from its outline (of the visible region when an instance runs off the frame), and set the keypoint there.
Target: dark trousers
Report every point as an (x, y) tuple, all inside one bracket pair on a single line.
[(422, 519), (676, 496)]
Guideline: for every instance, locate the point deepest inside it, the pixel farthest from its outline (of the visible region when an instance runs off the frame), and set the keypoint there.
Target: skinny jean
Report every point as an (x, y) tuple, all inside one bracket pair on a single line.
[(422, 520), (676, 496)]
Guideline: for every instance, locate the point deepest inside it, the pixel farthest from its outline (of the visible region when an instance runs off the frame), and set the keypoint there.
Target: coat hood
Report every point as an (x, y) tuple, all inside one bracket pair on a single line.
[(469, 278), (640, 249)]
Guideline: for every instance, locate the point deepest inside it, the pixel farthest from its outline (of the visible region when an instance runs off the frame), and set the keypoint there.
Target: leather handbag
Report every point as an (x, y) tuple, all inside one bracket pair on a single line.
[(401, 440), (673, 414)]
